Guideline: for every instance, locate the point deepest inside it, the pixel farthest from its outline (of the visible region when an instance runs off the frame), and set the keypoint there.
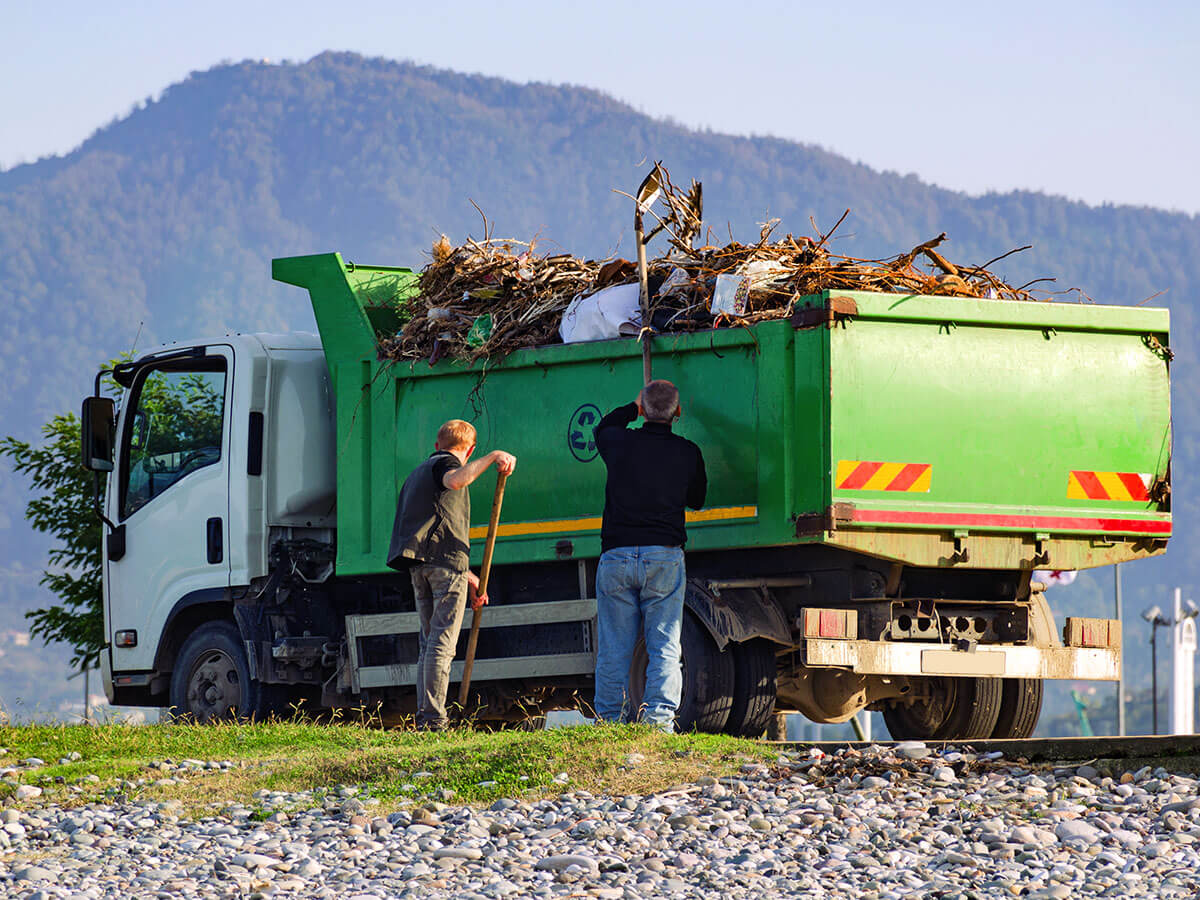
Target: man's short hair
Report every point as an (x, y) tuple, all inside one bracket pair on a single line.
[(456, 434), (660, 399)]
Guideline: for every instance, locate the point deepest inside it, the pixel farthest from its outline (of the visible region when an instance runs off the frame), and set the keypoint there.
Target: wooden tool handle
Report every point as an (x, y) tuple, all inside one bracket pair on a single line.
[(484, 571)]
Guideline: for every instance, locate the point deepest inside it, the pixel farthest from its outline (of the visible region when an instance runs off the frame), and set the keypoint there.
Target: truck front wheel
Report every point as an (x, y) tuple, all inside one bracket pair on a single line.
[(211, 680)]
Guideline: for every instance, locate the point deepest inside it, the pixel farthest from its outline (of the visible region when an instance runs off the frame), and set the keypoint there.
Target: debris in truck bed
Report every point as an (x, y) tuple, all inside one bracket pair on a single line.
[(525, 295)]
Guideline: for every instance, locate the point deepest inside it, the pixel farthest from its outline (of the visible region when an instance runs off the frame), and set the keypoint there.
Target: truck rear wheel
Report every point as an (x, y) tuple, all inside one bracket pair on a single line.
[(976, 708), (211, 680), (958, 709), (708, 678), (1020, 706), (920, 720), (753, 702)]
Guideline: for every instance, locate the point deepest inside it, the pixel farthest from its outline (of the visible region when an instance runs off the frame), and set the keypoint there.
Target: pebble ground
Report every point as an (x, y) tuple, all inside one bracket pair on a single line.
[(879, 824)]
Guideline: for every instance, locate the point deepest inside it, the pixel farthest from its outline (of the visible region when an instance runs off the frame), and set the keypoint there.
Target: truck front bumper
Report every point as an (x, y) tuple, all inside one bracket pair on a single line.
[(106, 674), (983, 661)]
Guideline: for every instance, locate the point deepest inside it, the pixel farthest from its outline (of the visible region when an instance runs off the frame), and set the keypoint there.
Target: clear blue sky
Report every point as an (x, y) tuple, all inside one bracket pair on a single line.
[(1098, 101)]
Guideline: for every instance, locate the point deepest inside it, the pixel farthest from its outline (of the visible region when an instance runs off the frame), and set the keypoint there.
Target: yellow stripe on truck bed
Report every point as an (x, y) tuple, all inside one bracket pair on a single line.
[(592, 523)]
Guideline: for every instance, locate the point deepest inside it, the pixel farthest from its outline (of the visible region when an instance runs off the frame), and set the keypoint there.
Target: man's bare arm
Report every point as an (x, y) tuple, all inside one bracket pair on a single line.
[(463, 476)]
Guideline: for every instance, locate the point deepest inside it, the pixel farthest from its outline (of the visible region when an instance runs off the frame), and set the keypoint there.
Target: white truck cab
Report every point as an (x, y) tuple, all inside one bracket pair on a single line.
[(220, 447)]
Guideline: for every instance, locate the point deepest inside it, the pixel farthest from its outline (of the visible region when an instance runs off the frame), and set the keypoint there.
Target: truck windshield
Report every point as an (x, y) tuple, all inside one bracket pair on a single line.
[(174, 428)]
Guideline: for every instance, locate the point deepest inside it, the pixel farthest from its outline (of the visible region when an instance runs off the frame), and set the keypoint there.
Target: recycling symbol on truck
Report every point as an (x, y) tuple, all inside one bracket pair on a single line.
[(580, 438)]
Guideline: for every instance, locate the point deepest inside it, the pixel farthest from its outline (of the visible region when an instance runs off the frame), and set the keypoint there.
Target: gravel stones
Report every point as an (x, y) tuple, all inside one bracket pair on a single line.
[(1029, 834), (887, 823), (458, 853), (1077, 830), (32, 873), (912, 750), (565, 861)]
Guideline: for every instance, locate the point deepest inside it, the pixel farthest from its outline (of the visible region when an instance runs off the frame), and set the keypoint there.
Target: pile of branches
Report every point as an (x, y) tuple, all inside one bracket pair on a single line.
[(488, 297), (523, 294)]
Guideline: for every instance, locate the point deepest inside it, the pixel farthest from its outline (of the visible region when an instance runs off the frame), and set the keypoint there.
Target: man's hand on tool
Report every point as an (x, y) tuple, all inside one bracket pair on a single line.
[(477, 600), (505, 462)]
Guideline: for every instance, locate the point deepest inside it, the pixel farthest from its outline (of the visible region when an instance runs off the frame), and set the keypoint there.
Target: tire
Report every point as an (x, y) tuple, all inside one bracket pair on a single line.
[(753, 701), (708, 679), (211, 679), (920, 721), (1020, 707), (976, 708), (960, 709)]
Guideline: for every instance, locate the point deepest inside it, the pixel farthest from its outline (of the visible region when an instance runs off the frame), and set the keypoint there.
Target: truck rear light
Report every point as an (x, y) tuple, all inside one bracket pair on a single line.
[(1082, 632), (839, 624), (127, 638)]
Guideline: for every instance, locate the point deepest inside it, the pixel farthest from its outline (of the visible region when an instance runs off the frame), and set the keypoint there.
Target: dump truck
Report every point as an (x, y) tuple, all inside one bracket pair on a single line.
[(886, 473)]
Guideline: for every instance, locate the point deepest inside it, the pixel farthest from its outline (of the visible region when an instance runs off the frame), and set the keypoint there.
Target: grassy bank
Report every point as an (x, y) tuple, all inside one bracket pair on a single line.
[(395, 766)]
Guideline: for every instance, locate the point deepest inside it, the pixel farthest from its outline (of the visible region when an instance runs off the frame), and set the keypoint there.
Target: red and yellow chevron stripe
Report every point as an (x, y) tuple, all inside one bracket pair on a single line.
[(1084, 485), (857, 475)]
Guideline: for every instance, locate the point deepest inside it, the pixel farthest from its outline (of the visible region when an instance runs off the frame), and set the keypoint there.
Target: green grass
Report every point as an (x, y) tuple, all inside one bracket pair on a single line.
[(294, 756)]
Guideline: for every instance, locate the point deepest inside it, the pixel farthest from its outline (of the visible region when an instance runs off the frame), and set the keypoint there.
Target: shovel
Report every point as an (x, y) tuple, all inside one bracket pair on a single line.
[(484, 571)]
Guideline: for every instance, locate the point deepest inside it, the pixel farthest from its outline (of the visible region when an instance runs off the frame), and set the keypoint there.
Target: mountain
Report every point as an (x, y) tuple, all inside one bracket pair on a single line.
[(163, 224)]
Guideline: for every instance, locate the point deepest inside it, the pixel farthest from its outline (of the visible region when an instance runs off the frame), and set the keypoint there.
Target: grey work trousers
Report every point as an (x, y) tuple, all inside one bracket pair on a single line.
[(441, 600)]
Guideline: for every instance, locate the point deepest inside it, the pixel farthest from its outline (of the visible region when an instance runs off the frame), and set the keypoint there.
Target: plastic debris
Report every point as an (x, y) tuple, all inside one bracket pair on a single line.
[(610, 313)]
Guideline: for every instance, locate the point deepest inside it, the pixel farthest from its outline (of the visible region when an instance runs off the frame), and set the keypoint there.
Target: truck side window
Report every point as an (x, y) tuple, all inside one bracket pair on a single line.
[(175, 428)]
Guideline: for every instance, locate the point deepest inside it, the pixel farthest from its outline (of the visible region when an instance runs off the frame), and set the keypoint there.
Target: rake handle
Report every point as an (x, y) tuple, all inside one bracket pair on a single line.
[(484, 571)]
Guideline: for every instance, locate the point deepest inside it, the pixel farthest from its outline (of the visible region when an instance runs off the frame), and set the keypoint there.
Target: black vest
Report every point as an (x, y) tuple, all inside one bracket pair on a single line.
[(433, 523)]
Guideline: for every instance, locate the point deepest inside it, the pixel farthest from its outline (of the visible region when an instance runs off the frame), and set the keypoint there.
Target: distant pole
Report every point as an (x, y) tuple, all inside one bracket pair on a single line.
[(1121, 663), (856, 724), (87, 698), (1183, 667), (1154, 674)]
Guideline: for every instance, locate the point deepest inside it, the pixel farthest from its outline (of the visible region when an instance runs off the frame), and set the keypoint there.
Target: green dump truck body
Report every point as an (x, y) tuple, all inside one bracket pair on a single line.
[(933, 431)]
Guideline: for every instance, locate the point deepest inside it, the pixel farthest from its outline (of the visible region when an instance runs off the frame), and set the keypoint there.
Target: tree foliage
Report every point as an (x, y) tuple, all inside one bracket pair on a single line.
[(180, 416), (62, 508)]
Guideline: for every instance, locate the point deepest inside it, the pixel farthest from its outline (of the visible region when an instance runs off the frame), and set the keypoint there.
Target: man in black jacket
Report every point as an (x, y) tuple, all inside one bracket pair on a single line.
[(431, 539), (652, 475)]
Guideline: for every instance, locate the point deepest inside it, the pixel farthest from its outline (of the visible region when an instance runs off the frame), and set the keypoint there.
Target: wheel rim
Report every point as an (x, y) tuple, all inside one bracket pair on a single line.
[(214, 690), (921, 720)]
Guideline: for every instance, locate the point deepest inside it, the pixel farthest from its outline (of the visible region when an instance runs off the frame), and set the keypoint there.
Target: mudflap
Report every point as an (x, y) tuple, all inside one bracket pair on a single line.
[(738, 615)]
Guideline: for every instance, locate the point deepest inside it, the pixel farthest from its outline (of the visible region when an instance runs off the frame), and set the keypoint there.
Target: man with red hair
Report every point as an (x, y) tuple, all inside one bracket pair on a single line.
[(431, 539)]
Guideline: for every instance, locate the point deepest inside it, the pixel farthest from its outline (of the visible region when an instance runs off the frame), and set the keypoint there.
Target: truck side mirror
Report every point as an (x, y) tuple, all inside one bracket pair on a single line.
[(97, 424)]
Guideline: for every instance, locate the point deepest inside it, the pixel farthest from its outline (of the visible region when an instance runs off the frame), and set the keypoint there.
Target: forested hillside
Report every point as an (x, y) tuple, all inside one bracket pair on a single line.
[(163, 224)]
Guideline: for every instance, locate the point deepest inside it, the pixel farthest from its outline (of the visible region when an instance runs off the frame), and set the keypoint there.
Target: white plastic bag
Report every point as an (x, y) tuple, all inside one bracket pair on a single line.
[(611, 313), (730, 295), (678, 282), (762, 272)]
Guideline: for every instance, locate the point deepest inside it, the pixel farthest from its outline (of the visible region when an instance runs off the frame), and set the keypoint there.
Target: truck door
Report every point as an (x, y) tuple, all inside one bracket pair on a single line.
[(170, 498)]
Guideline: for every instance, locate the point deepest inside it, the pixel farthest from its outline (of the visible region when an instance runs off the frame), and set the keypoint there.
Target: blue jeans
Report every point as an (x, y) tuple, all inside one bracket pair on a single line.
[(639, 591)]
